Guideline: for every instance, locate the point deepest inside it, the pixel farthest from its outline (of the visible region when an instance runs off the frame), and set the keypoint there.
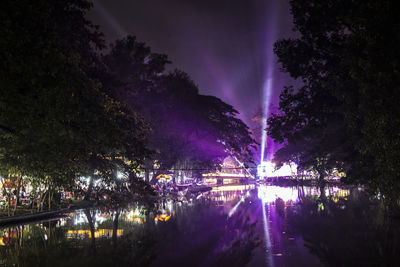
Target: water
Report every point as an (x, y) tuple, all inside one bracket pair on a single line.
[(238, 225)]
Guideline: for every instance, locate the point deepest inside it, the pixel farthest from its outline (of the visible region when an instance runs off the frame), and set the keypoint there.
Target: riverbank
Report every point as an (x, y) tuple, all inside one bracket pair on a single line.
[(23, 214), (7, 220)]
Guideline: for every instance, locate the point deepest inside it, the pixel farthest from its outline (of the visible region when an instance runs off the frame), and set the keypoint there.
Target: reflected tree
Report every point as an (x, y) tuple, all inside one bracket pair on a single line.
[(352, 232)]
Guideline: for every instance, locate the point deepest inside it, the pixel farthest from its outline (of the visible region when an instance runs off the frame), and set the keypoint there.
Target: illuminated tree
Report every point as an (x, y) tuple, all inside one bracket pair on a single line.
[(187, 128)]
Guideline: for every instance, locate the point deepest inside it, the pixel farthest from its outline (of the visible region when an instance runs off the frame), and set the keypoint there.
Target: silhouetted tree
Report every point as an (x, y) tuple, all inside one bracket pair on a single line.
[(346, 56), (56, 124), (185, 125)]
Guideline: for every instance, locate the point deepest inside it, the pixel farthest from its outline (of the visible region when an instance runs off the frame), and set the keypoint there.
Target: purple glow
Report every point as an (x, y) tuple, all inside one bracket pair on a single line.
[(266, 100), (268, 245), (233, 210), (268, 84)]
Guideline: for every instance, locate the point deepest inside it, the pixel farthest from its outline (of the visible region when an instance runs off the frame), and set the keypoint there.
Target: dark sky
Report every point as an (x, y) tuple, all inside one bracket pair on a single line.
[(224, 45)]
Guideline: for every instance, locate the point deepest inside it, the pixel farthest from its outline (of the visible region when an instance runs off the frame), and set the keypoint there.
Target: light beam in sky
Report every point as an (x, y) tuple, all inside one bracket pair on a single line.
[(269, 74), (266, 100), (117, 27)]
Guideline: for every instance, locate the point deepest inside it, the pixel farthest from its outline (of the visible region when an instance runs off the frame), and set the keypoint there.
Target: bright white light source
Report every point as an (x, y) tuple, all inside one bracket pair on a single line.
[(268, 169), (265, 168), (269, 194), (120, 175)]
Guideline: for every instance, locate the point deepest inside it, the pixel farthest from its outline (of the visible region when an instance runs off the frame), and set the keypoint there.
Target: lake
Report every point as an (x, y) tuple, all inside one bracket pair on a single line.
[(232, 225)]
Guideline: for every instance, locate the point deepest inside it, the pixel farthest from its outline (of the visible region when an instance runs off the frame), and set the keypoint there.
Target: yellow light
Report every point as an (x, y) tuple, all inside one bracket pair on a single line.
[(162, 217), (163, 176), (98, 233)]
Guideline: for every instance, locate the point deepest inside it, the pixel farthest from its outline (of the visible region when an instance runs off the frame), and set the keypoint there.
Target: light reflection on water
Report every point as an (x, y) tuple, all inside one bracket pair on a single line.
[(214, 220), (270, 193)]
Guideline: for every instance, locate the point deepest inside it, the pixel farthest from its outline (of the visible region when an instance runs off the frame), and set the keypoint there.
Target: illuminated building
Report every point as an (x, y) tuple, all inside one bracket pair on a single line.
[(231, 172), (268, 169)]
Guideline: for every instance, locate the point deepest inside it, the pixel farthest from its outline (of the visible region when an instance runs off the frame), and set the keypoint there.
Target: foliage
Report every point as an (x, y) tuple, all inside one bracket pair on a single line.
[(186, 126), (68, 112), (55, 121), (345, 113), (314, 136)]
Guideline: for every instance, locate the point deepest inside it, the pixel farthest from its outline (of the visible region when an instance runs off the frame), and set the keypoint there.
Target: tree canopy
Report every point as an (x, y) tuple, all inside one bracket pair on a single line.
[(185, 125), (71, 108), (55, 120), (345, 113)]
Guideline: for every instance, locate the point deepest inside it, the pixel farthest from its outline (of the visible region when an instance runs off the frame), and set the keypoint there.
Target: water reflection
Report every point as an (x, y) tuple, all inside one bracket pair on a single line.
[(348, 229), (270, 193), (196, 231), (241, 225), (81, 234)]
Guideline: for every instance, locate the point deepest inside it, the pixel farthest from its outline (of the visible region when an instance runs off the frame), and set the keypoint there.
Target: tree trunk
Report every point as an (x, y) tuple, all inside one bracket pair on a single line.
[(38, 201), (19, 188), (8, 194), (9, 203), (115, 229), (15, 206), (321, 178), (17, 195), (41, 201), (49, 199), (90, 189), (92, 230), (33, 204)]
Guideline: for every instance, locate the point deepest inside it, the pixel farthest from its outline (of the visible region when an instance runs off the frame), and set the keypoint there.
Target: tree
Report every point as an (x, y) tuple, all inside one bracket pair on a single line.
[(56, 122), (185, 126), (346, 58), (372, 56), (314, 136)]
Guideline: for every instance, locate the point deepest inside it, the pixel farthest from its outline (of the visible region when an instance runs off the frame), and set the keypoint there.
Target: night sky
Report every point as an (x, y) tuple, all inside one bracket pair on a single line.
[(224, 45)]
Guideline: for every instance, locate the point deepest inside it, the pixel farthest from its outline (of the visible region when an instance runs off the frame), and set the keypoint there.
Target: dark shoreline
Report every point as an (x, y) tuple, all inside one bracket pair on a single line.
[(34, 216)]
